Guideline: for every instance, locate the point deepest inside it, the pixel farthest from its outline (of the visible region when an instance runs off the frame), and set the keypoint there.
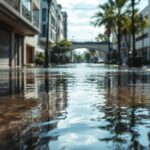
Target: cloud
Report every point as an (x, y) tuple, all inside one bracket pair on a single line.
[(79, 18)]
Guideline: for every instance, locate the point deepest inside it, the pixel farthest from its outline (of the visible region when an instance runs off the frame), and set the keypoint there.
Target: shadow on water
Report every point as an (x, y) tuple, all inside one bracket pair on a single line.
[(67, 108)]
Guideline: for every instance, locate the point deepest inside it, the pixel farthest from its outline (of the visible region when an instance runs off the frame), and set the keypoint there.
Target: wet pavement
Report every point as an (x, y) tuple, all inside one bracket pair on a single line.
[(75, 107)]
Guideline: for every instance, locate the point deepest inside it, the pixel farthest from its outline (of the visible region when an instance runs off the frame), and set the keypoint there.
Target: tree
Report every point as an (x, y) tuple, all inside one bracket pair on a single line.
[(101, 37), (117, 16), (87, 56), (105, 16), (120, 10), (139, 24), (62, 46), (60, 49), (110, 15), (133, 3), (39, 59)]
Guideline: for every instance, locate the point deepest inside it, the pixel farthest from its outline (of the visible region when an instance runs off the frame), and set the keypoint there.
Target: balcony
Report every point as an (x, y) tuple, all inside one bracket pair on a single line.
[(14, 3), (26, 13), (16, 15), (36, 21)]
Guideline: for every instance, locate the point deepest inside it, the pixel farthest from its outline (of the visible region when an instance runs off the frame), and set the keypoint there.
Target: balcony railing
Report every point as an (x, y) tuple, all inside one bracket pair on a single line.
[(26, 13), (15, 4), (30, 15), (36, 20)]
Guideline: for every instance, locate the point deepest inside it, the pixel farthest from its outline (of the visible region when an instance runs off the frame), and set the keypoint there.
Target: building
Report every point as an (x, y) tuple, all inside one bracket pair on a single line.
[(57, 25), (65, 22), (143, 38), (19, 23)]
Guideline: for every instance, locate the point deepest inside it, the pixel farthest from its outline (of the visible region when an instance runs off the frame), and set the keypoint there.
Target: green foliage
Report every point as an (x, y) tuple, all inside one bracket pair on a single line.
[(87, 56), (39, 59), (116, 16), (62, 46), (101, 37)]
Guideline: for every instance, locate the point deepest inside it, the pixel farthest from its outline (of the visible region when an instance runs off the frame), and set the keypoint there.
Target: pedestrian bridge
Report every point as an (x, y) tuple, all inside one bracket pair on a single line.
[(101, 46)]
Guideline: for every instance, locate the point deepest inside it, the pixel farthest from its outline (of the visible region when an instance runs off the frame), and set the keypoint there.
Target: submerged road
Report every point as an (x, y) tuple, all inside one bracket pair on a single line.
[(75, 107)]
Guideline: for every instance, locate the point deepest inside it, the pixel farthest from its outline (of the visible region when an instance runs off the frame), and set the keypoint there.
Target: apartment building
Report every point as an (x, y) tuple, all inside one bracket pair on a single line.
[(19, 23), (143, 38), (57, 27)]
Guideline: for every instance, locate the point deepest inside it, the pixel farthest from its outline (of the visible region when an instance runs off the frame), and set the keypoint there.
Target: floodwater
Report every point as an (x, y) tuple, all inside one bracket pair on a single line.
[(75, 107)]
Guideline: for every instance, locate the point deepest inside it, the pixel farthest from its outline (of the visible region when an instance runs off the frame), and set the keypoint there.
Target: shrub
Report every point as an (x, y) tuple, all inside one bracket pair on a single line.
[(39, 59)]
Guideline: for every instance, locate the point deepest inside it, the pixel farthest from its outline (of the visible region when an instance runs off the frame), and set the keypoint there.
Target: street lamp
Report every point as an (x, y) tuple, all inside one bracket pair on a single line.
[(46, 61), (133, 32), (141, 18)]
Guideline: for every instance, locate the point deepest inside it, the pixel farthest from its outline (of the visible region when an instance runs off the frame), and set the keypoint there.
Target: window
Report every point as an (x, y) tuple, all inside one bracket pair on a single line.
[(43, 30), (27, 4), (44, 14)]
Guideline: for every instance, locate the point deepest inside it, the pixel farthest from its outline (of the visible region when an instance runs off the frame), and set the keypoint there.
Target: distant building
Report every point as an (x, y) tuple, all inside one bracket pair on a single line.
[(58, 23), (65, 22), (19, 23)]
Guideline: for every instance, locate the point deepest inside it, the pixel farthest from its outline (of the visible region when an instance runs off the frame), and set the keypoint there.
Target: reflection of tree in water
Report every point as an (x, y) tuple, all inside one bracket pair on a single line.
[(121, 117)]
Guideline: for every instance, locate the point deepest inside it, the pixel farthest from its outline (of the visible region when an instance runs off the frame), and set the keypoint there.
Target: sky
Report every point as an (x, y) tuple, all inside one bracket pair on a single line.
[(79, 18)]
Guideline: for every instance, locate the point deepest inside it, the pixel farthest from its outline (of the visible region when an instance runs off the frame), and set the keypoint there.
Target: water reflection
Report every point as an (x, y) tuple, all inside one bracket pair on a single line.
[(127, 111), (67, 108)]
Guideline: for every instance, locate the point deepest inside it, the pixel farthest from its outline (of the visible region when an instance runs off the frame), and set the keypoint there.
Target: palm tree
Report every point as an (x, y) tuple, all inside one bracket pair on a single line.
[(126, 27), (133, 3), (120, 12), (110, 15), (105, 17)]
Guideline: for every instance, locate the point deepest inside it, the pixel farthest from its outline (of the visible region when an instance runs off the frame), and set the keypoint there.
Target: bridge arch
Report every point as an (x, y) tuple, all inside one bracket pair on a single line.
[(100, 46)]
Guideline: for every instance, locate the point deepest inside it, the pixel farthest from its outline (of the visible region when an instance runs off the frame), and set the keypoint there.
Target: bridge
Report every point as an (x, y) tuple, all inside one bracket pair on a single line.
[(100, 46)]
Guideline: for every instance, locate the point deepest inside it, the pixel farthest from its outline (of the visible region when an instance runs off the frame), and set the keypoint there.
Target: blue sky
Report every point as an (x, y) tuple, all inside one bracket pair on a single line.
[(79, 17)]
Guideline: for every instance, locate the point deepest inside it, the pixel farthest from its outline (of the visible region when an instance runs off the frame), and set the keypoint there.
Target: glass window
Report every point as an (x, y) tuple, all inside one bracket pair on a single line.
[(43, 30), (44, 14), (27, 4)]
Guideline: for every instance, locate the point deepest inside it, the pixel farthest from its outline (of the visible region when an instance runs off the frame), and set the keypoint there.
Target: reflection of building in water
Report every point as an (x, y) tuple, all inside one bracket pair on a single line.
[(37, 97), (17, 112), (31, 85), (11, 82), (54, 96)]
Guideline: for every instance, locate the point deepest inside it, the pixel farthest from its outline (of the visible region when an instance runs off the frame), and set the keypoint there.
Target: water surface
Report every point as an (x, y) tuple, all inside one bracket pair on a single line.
[(76, 107)]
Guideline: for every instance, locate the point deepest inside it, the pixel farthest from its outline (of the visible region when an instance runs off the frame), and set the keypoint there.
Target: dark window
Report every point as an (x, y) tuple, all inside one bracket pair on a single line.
[(43, 30), (44, 14)]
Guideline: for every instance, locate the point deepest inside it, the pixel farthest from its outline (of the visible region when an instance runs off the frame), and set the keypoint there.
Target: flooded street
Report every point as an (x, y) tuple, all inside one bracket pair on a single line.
[(75, 107)]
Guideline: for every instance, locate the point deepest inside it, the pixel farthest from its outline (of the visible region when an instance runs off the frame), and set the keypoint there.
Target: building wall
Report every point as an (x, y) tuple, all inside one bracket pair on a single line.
[(18, 21), (143, 38), (56, 26)]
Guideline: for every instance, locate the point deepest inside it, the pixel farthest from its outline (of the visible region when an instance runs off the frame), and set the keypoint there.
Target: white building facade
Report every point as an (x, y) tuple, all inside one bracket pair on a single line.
[(56, 26), (143, 38)]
